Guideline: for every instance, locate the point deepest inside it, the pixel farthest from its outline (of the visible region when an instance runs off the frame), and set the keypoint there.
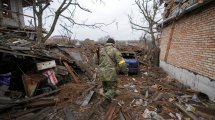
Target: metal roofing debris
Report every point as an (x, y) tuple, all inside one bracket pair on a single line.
[(178, 11)]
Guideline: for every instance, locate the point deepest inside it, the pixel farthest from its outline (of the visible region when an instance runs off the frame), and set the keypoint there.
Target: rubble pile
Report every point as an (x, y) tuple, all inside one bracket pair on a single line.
[(176, 7), (61, 83)]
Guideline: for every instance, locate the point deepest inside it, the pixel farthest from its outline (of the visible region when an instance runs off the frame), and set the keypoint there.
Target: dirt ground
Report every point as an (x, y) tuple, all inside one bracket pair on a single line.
[(131, 100)]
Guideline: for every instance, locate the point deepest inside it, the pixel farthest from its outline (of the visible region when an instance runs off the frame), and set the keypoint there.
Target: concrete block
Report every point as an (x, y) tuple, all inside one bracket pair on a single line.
[(46, 65)]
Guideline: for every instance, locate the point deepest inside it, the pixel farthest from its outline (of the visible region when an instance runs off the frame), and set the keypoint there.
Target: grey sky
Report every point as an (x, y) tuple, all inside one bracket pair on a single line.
[(104, 13)]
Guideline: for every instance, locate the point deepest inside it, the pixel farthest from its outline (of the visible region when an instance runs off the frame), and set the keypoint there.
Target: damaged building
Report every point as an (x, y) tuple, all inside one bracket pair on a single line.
[(12, 18), (60, 81), (188, 43)]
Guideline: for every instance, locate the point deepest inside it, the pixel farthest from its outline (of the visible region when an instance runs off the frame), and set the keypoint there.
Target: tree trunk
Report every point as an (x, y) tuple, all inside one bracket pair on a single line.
[(155, 49), (39, 29)]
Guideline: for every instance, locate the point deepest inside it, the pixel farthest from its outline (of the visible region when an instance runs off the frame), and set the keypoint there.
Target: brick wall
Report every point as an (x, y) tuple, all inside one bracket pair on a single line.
[(193, 42)]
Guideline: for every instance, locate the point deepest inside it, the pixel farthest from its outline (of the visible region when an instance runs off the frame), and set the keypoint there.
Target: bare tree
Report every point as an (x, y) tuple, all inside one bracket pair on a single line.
[(65, 12), (150, 11)]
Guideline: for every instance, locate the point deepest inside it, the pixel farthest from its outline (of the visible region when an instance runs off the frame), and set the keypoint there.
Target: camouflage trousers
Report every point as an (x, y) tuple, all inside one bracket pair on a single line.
[(109, 88)]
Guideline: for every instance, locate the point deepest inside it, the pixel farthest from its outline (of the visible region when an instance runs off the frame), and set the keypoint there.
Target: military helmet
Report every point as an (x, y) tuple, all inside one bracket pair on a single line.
[(110, 40)]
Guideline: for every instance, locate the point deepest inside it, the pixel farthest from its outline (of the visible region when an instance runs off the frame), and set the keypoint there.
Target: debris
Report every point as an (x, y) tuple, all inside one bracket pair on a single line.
[(155, 86), (186, 112), (50, 74), (46, 65), (157, 96), (133, 79), (179, 116), (121, 103), (135, 90), (138, 102), (31, 82), (130, 85), (42, 114), (22, 113), (148, 90), (20, 48), (151, 115), (158, 109), (171, 99), (5, 79), (121, 116), (190, 108), (206, 116), (61, 70), (71, 71), (3, 89), (145, 103), (147, 94), (87, 99), (109, 113), (42, 104), (171, 115), (146, 73), (195, 98), (68, 113)]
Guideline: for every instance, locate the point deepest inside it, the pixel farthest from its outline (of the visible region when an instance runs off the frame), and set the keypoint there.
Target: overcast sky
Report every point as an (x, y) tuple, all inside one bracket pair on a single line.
[(104, 13)]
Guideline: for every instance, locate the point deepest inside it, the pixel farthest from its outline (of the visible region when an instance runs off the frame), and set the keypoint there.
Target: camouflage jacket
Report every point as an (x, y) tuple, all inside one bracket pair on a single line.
[(110, 61)]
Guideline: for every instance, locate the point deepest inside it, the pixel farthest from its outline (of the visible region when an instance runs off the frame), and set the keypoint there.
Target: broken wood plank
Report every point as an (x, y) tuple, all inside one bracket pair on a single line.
[(41, 103), (29, 99), (20, 48), (127, 115), (22, 113), (205, 115), (191, 115), (39, 96), (71, 71), (88, 98), (109, 113), (42, 114), (68, 113)]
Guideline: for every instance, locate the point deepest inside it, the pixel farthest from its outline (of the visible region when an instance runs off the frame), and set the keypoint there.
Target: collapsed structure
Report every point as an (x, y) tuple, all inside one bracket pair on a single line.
[(60, 81), (188, 43)]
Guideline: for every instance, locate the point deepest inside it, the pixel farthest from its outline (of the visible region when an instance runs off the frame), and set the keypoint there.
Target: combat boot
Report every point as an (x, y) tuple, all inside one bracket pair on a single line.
[(105, 103)]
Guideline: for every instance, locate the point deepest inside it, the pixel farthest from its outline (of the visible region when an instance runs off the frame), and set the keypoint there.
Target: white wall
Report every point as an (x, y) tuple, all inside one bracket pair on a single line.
[(195, 81)]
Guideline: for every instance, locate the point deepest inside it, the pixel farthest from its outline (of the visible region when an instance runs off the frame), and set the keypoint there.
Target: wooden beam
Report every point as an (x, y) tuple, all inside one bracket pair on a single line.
[(191, 115), (29, 99), (20, 48), (109, 113), (71, 71), (169, 41)]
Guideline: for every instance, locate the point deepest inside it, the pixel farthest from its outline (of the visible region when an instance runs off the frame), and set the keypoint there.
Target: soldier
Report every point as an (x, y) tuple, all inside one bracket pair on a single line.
[(110, 60)]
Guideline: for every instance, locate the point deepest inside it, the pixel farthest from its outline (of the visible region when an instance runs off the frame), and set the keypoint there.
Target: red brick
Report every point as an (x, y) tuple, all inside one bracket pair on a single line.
[(193, 42)]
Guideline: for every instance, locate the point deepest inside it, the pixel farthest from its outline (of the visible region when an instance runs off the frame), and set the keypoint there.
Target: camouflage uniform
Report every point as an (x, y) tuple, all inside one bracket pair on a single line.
[(110, 61)]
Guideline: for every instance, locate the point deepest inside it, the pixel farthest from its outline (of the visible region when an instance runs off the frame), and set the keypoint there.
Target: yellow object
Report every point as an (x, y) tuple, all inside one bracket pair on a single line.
[(121, 62)]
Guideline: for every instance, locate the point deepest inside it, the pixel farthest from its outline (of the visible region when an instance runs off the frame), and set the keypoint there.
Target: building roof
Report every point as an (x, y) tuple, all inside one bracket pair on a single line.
[(27, 3), (177, 8)]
